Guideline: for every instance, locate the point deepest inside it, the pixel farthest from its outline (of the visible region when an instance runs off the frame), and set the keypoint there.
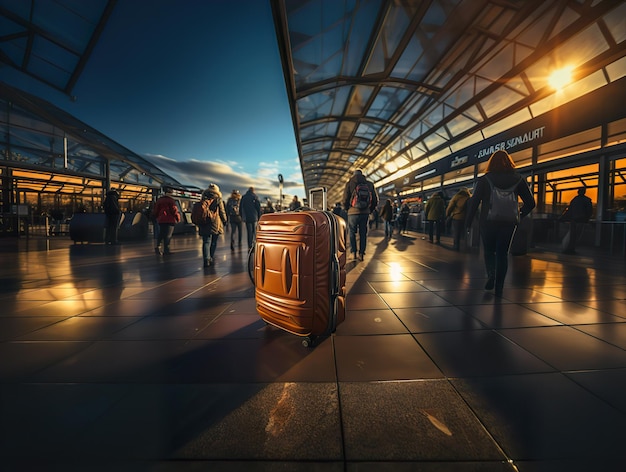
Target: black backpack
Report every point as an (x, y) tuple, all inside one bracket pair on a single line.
[(234, 208)]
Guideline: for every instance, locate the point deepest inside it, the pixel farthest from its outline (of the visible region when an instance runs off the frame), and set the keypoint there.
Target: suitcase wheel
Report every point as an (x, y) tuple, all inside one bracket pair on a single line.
[(308, 341)]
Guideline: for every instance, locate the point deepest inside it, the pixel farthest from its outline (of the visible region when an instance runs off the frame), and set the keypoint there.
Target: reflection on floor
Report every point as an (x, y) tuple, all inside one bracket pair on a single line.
[(113, 358)]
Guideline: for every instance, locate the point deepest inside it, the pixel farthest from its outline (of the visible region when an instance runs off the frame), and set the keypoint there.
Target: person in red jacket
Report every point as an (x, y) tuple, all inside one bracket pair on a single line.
[(167, 215)]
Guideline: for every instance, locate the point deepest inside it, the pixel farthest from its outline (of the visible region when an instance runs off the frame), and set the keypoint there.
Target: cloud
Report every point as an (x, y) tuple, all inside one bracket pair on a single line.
[(229, 176)]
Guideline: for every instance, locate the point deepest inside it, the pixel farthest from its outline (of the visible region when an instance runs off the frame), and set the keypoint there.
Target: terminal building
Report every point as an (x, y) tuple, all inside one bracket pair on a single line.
[(418, 95), (114, 359)]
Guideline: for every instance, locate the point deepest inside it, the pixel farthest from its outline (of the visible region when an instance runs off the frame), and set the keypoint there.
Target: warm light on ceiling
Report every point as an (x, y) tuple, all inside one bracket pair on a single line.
[(560, 78)]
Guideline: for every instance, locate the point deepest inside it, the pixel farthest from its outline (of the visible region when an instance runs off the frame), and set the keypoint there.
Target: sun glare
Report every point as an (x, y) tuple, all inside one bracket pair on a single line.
[(560, 78)]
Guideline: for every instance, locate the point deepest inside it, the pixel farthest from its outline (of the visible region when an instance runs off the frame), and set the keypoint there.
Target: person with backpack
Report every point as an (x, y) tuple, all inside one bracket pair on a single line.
[(211, 222), (233, 212), (456, 212), (435, 212), (360, 199), (166, 213), (251, 213), (403, 217), (498, 191)]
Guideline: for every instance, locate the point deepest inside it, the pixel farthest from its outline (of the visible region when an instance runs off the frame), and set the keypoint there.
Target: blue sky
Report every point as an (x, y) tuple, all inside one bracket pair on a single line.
[(196, 86)]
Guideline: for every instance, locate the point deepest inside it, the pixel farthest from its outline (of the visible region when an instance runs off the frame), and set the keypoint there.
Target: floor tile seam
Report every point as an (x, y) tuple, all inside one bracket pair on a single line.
[(549, 364), (223, 312), (202, 287), (46, 327), (501, 447), (561, 324), (570, 375), (546, 291), (530, 307), (512, 341), (58, 361), (580, 303), (576, 327), (397, 317)]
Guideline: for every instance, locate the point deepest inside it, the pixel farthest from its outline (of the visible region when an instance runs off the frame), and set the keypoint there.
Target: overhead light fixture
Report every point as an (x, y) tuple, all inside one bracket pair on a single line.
[(560, 78)]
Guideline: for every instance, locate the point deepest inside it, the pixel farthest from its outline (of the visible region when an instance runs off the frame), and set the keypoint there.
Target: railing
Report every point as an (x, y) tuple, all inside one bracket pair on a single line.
[(612, 234)]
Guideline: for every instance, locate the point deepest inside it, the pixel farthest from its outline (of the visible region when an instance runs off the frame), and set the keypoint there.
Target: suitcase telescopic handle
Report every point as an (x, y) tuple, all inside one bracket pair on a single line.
[(324, 197)]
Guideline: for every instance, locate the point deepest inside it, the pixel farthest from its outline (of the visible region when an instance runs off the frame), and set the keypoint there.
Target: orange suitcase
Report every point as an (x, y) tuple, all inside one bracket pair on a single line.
[(299, 272)]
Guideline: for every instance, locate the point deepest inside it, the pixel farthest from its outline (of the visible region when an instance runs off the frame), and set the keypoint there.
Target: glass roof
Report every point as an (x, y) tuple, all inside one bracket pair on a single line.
[(390, 86), (44, 137), (51, 40)]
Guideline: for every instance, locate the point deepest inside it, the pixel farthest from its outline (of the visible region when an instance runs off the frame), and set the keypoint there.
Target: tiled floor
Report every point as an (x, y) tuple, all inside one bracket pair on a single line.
[(112, 358)]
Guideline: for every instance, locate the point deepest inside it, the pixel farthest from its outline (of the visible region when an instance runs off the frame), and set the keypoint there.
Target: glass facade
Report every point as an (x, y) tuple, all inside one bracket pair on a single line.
[(394, 86), (52, 163)]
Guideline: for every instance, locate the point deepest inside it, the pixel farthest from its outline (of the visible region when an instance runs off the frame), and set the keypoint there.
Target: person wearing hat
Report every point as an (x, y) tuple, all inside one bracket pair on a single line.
[(112, 217), (212, 229), (358, 215), (233, 212), (167, 215)]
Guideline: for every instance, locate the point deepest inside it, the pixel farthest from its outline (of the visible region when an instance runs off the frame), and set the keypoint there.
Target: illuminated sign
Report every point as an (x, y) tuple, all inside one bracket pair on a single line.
[(457, 161), (512, 143)]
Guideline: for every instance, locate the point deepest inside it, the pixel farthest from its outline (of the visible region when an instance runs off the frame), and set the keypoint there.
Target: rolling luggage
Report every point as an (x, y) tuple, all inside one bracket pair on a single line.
[(299, 272)]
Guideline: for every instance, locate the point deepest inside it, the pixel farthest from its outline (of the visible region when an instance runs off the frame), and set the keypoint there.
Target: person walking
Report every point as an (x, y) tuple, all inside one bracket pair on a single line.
[(456, 211), (405, 211), (577, 213), (112, 217), (233, 212), (250, 212), (167, 215), (435, 211), (360, 199), (386, 215), (497, 231), (214, 226), (337, 209)]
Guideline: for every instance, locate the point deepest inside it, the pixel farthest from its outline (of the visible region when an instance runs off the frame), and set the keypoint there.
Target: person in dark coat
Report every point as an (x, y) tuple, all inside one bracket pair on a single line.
[(577, 213), (358, 217), (435, 212), (212, 229), (497, 236), (251, 213), (113, 214), (387, 216)]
